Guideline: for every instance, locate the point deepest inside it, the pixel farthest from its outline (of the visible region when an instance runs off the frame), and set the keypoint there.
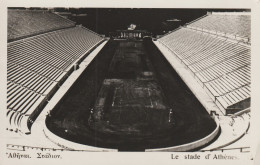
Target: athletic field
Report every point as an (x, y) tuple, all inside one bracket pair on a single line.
[(130, 98)]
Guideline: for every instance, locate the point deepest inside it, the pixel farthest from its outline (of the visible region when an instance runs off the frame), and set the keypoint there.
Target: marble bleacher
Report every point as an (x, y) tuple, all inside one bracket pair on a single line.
[(36, 67), (23, 23), (238, 24), (220, 64)]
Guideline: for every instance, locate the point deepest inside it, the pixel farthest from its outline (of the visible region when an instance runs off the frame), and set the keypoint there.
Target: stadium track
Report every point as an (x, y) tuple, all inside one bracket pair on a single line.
[(69, 119)]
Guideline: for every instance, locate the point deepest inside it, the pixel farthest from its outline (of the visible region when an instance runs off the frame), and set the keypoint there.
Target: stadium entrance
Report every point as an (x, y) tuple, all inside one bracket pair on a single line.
[(129, 34)]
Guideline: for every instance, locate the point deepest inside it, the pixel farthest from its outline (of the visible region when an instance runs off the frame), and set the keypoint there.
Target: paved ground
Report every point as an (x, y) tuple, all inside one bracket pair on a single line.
[(133, 113)]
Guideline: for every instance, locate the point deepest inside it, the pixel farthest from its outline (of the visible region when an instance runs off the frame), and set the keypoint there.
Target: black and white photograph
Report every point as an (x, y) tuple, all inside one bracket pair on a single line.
[(89, 80)]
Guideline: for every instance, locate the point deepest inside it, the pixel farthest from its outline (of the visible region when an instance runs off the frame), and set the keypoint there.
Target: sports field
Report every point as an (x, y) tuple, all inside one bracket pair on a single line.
[(131, 99)]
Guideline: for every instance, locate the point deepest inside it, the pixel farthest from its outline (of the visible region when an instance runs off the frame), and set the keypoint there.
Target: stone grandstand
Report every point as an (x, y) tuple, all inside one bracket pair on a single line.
[(24, 23), (226, 23), (38, 64), (218, 55)]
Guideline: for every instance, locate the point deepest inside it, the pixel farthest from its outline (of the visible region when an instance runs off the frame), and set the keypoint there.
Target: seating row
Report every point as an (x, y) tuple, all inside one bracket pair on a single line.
[(36, 67), (232, 24), (22, 23), (220, 64)]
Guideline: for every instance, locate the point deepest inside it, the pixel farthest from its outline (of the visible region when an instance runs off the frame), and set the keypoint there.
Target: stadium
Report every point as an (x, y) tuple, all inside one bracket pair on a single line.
[(86, 79)]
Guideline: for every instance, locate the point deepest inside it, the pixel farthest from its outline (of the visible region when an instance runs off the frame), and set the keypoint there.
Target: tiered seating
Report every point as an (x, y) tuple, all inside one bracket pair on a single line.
[(236, 24), (37, 65), (22, 23), (229, 82), (235, 96), (21, 101), (222, 65)]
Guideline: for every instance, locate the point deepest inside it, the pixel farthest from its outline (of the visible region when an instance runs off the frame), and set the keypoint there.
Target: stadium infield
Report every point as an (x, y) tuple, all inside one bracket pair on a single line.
[(129, 98)]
